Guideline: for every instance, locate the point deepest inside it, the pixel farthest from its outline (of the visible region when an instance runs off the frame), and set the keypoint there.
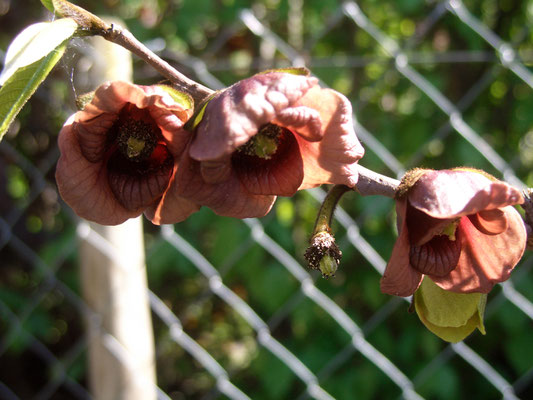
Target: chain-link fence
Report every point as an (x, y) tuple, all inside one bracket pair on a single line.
[(236, 314)]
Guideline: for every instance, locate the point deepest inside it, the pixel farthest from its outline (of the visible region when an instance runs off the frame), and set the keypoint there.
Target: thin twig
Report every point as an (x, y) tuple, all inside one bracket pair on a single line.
[(124, 38), (374, 184)]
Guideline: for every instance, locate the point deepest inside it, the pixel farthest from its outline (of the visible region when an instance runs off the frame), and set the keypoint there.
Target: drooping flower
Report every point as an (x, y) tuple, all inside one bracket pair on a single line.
[(265, 136), (119, 155), (459, 228)]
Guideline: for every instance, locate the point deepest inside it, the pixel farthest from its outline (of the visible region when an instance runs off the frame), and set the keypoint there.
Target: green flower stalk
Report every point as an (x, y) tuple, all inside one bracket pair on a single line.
[(323, 253)]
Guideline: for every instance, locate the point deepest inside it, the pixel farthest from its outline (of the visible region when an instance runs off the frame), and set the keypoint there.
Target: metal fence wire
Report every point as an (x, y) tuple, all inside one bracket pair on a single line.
[(236, 313)]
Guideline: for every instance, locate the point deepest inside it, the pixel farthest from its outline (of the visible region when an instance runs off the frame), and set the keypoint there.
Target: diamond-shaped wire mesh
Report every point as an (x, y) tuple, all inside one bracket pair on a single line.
[(236, 314)]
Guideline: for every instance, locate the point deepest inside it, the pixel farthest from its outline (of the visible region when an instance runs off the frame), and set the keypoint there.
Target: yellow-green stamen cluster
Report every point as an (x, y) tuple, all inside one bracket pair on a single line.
[(264, 144), (136, 139)]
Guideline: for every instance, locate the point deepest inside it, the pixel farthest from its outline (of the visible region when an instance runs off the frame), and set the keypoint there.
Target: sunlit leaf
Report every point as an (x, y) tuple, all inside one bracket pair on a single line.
[(22, 84), (48, 4), (451, 316), (182, 98), (34, 43)]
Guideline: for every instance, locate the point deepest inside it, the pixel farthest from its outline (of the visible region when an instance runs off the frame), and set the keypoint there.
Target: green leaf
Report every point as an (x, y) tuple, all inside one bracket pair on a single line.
[(34, 43), (48, 4), (21, 85), (289, 70)]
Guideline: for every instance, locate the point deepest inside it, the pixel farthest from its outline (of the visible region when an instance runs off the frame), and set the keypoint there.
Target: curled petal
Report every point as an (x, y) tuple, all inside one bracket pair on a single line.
[(399, 278), (454, 193), (490, 222), (486, 259), (437, 257), (304, 121), (229, 198), (83, 184), (236, 114), (334, 158), (92, 134)]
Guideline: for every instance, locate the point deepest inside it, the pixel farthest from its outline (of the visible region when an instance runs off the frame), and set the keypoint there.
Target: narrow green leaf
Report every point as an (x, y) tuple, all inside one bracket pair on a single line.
[(289, 70), (182, 98), (34, 43), (193, 122), (48, 4), (22, 84)]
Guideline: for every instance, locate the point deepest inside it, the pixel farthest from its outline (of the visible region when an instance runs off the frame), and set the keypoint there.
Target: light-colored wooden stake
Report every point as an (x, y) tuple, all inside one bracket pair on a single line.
[(113, 278)]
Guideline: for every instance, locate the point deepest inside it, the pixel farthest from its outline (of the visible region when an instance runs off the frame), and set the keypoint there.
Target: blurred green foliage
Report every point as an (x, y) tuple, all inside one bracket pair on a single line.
[(444, 50)]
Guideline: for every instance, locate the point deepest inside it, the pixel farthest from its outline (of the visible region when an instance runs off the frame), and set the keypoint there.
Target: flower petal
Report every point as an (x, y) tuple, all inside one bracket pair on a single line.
[(454, 193), (236, 114), (229, 198), (399, 278), (138, 186), (437, 257), (84, 185), (97, 118), (334, 158), (490, 222), (304, 121), (172, 208), (486, 259)]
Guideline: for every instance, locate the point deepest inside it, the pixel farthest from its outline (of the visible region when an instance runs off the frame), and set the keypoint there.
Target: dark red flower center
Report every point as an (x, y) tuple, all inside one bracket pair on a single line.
[(139, 164), (270, 162), (136, 139)]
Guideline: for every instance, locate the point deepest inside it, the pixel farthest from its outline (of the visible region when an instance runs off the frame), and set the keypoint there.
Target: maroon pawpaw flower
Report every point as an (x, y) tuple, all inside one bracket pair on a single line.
[(459, 228), (265, 136), (119, 155)]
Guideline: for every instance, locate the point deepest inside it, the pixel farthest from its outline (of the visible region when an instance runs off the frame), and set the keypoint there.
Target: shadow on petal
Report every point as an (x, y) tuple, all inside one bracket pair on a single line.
[(84, 186), (281, 175), (228, 198)]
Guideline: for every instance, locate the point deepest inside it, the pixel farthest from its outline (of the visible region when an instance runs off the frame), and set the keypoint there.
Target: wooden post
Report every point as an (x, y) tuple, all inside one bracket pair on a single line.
[(113, 278)]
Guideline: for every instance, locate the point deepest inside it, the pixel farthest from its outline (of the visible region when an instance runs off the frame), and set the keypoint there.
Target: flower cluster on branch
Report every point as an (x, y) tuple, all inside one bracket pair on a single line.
[(128, 152)]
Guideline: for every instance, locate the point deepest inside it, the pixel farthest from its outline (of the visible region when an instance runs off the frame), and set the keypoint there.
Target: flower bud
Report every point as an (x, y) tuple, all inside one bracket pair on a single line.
[(323, 254)]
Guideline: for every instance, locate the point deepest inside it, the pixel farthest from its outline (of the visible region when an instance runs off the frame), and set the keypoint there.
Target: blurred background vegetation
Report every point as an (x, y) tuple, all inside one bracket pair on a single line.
[(39, 274)]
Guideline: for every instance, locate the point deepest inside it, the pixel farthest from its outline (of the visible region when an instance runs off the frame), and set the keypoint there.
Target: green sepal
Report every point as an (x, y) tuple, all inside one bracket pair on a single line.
[(83, 99), (408, 181), (302, 71), (86, 20), (451, 316), (182, 98), (198, 115)]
